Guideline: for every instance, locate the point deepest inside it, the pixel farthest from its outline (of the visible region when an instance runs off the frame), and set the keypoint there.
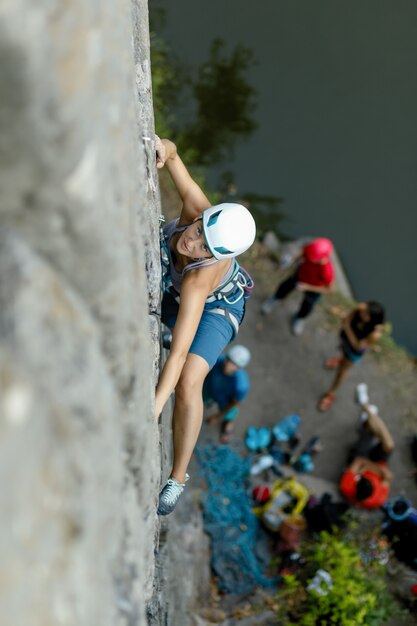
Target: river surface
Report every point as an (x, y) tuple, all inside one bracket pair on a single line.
[(337, 135)]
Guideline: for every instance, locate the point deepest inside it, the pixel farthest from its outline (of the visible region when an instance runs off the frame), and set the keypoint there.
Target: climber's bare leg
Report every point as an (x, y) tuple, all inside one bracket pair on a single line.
[(377, 427), (188, 413)]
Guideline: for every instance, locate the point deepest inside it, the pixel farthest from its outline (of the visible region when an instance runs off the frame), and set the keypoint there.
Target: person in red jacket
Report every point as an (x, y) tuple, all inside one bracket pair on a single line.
[(366, 482), (313, 276)]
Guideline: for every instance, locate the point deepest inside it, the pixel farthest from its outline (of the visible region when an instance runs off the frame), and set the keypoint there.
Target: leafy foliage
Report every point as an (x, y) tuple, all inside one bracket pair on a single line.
[(266, 211), (358, 597), (225, 103), (207, 112), (209, 108)]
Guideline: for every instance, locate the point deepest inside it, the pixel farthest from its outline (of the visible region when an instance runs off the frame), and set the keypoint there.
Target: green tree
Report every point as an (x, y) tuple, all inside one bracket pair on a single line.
[(225, 103)]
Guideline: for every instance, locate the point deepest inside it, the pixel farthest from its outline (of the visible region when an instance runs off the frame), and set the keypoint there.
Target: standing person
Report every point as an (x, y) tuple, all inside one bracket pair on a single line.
[(361, 328), (203, 304), (313, 276), (366, 482), (227, 384)]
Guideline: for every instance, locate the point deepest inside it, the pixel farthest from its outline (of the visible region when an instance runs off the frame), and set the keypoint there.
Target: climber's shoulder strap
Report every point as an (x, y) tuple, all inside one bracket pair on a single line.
[(237, 286)]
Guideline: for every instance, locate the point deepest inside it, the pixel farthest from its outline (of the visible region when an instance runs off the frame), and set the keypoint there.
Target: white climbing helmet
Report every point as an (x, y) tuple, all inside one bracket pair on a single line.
[(229, 229), (239, 355)]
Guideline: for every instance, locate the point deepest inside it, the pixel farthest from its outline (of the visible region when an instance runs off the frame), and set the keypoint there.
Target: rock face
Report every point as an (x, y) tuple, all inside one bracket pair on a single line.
[(80, 459)]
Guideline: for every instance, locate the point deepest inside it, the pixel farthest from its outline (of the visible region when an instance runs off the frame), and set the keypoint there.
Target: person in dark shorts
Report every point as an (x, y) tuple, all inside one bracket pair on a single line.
[(362, 327), (366, 482)]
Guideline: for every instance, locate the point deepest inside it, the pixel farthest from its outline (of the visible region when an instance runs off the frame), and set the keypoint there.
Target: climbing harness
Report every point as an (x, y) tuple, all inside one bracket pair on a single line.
[(237, 286)]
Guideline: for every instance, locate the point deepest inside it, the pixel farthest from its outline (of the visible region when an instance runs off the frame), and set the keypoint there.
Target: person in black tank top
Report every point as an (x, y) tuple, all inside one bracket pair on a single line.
[(362, 327)]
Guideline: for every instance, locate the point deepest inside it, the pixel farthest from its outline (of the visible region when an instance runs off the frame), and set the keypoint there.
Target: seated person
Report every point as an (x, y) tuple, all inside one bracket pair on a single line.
[(227, 384), (366, 482)]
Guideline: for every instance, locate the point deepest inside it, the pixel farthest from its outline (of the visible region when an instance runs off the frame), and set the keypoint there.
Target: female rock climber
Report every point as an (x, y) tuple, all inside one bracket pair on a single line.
[(203, 304)]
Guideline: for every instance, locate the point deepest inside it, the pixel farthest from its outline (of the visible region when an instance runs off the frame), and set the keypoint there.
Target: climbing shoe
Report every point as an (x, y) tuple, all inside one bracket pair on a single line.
[(170, 495)]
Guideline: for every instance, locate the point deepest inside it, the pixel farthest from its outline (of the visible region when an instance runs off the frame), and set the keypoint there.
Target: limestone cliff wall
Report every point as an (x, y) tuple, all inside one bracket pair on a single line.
[(79, 448)]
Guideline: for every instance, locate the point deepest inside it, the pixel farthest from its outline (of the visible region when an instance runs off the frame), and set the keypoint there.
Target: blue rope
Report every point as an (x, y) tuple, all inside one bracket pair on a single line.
[(229, 521)]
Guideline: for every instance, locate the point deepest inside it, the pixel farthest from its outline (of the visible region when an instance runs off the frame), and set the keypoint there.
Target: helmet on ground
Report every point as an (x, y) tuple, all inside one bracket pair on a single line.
[(239, 355), (318, 249), (261, 493), (229, 229)]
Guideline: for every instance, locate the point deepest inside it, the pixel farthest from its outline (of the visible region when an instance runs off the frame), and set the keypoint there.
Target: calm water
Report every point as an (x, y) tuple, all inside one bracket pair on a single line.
[(337, 130)]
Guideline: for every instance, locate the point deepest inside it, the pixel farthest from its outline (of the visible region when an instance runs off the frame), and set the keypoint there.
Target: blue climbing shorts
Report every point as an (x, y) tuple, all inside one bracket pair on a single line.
[(214, 331)]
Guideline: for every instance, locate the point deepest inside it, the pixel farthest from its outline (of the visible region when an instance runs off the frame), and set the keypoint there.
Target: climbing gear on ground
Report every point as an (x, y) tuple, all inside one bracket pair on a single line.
[(297, 326), (229, 229), (261, 494), (333, 363), (263, 463), (402, 532), (318, 249), (239, 355), (303, 462), (257, 438), (286, 428), (230, 523), (170, 495), (268, 305), (289, 497), (400, 509), (325, 514), (291, 533), (326, 402)]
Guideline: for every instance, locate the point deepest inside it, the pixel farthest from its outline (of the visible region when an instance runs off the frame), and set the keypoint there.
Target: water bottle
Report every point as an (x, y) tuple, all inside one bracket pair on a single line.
[(262, 464), (286, 428)]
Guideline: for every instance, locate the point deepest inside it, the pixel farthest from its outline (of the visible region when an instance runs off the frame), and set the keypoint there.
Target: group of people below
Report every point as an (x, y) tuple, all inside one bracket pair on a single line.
[(205, 291), (313, 275), (366, 481)]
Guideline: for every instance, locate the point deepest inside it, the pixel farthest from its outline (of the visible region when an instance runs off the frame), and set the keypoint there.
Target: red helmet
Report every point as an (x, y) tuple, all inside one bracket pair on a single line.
[(261, 494), (318, 249)]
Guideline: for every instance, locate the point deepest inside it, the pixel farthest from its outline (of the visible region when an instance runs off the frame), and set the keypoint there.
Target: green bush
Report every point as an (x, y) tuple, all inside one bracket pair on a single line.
[(359, 594)]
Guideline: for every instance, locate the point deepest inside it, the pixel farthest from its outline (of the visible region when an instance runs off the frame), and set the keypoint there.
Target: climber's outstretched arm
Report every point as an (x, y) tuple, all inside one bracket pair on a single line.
[(193, 198)]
